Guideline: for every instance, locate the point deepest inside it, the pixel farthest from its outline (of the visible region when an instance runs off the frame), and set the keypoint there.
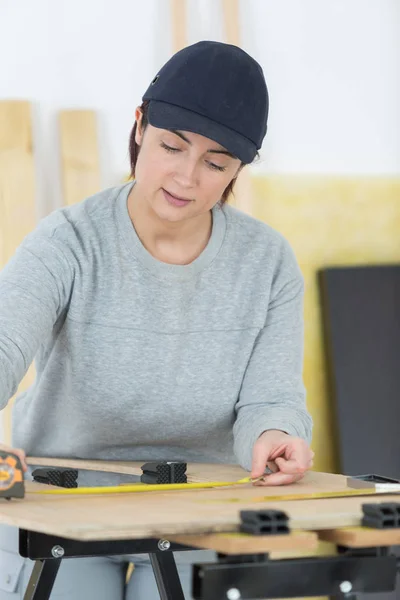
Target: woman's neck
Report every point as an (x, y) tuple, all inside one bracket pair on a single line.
[(177, 243)]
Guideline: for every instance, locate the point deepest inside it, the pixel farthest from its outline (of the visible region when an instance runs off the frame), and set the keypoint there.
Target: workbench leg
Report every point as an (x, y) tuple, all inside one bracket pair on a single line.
[(42, 579), (166, 574)]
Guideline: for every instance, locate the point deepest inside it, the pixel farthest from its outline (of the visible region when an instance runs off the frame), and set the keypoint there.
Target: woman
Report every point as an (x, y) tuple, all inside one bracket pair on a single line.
[(166, 325)]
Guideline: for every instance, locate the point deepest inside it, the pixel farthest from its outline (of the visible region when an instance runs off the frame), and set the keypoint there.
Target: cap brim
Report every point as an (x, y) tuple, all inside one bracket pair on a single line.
[(169, 116)]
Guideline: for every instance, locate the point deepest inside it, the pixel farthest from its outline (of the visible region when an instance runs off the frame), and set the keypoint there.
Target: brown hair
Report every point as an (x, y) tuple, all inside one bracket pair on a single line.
[(134, 152)]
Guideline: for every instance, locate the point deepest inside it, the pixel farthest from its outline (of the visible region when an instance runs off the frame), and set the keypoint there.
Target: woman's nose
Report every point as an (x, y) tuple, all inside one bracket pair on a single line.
[(186, 174)]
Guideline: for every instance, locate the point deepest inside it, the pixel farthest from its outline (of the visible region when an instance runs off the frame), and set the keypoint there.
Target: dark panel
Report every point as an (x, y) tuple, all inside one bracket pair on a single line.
[(361, 321), (361, 314)]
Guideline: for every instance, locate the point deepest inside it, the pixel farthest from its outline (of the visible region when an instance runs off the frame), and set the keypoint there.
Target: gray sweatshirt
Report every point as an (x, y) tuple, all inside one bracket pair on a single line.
[(137, 359)]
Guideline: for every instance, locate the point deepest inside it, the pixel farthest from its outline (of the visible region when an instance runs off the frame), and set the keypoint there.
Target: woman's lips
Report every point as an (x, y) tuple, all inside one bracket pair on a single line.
[(175, 200)]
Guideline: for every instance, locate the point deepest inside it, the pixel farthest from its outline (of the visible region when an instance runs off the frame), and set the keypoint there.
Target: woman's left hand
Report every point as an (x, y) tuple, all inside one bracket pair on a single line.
[(287, 456)]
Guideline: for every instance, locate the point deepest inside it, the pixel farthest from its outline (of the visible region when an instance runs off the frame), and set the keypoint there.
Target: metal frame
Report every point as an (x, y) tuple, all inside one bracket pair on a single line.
[(233, 577), (47, 551)]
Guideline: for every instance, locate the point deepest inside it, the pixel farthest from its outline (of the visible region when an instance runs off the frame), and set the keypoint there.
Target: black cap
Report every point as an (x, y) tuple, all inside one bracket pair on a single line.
[(216, 90)]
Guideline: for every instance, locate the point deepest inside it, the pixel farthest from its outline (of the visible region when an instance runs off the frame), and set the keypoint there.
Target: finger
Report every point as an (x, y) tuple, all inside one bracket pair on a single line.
[(278, 451), (272, 466), (294, 445), (291, 466), (288, 448), (300, 452), (280, 479), (22, 456), (261, 454), (24, 463)]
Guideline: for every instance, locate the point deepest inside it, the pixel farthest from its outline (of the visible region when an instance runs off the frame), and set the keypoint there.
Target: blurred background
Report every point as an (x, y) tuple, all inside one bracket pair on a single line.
[(71, 76)]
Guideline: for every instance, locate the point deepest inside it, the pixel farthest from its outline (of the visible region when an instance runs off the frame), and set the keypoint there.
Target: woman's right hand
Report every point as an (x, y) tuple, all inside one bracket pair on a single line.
[(20, 453)]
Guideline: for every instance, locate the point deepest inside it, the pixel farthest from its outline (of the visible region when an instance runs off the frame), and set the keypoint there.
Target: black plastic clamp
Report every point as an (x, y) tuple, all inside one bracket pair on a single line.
[(164, 472), (385, 515), (264, 522), (66, 478)]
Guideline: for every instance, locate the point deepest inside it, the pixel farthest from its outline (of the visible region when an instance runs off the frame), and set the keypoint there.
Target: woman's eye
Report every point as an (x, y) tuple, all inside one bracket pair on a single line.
[(216, 167), (169, 148), (174, 150)]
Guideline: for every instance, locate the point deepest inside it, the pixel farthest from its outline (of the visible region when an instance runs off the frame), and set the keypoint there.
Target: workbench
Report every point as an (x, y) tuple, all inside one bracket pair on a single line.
[(56, 527)]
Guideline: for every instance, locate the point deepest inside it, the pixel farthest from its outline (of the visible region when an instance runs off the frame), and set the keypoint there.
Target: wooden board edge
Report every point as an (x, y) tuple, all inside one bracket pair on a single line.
[(105, 466), (237, 543), (360, 537)]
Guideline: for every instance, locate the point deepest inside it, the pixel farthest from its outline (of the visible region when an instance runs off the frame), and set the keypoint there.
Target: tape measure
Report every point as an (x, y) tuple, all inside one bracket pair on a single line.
[(143, 487), (11, 476)]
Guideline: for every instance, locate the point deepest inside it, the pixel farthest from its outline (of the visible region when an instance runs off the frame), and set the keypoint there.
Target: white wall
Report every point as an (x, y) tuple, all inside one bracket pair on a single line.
[(332, 67)]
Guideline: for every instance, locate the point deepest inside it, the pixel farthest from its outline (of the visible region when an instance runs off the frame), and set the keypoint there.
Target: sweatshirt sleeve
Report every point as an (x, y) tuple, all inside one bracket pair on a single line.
[(272, 394), (34, 288)]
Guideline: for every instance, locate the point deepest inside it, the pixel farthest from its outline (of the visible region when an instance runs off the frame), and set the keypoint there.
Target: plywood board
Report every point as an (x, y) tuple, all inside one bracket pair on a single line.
[(80, 165), (153, 514), (313, 482), (17, 196)]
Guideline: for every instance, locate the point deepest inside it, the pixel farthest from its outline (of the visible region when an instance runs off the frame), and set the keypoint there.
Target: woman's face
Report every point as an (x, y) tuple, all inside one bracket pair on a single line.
[(181, 165)]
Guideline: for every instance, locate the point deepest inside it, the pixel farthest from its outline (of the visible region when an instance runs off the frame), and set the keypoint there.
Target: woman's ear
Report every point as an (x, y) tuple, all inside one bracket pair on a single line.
[(139, 129)]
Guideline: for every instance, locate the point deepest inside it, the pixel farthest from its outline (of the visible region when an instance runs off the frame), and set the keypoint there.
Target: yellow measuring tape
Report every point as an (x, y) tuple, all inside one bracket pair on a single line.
[(161, 487), (308, 496), (143, 487)]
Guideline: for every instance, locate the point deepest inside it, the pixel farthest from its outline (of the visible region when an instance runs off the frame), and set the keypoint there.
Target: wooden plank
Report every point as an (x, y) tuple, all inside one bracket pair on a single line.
[(15, 126), (17, 185), (17, 198), (162, 514), (230, 11), (179, 24), (240, 543), (242, 198), (80, 164), (152, 514), (361, 537)]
